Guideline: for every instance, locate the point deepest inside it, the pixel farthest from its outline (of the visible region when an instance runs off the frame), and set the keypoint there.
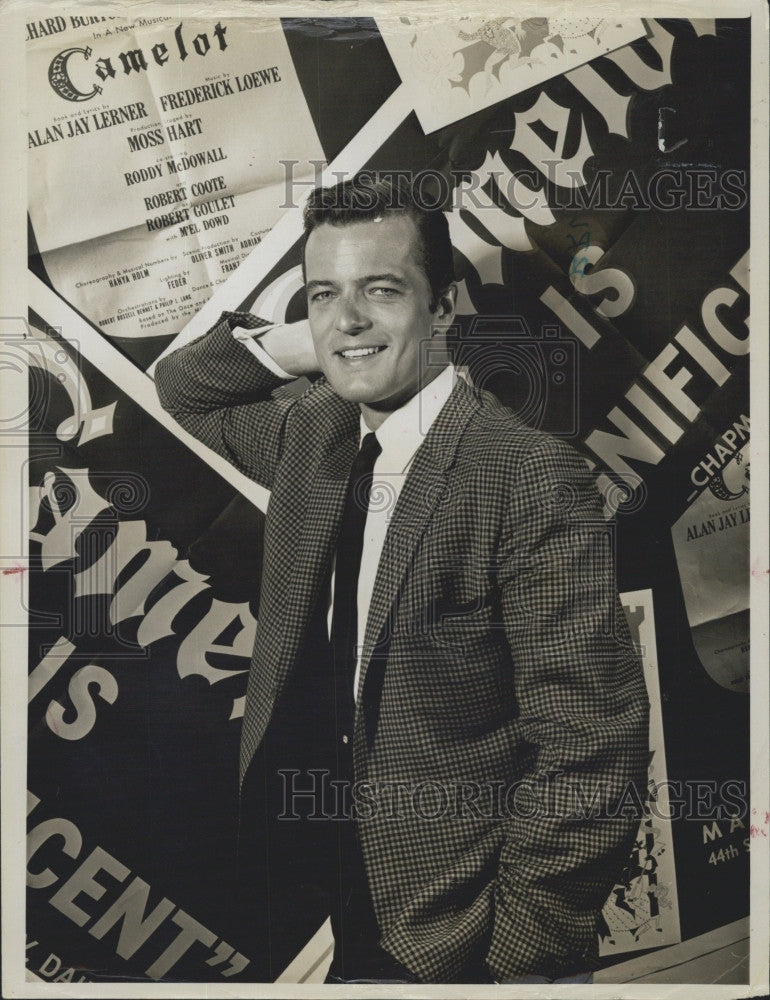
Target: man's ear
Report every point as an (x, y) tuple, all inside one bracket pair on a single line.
[(446, 303)]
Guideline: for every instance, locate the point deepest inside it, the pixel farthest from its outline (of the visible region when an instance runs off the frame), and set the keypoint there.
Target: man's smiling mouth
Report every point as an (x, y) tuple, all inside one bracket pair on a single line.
[(360, 352)]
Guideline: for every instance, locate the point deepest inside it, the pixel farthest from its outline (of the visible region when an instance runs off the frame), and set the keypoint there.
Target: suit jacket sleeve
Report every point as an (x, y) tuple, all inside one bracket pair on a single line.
[(584, 712), (219, 392)]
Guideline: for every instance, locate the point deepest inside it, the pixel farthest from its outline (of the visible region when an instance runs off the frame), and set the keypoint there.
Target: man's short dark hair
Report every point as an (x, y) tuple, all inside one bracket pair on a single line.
[(368, 196)]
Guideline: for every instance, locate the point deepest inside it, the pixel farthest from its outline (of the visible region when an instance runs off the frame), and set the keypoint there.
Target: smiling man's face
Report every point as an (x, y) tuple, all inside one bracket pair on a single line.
[(369, 311)]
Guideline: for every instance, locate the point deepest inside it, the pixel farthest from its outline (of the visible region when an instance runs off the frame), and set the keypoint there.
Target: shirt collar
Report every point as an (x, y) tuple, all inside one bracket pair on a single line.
[(403, 431)]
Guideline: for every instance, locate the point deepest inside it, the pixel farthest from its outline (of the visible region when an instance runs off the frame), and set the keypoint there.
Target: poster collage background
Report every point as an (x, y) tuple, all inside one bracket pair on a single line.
[(601, 223)]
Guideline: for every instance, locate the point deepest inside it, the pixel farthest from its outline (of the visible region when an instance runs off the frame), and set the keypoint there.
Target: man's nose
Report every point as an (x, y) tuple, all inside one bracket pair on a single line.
[(351, 316)]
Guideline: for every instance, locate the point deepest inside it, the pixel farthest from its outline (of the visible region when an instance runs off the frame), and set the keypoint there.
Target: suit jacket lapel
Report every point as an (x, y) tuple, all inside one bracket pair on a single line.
[(326, 499), (423, 489)]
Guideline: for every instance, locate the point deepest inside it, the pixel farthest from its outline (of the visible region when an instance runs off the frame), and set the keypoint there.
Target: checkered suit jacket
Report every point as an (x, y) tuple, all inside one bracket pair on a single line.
[(497, 668)]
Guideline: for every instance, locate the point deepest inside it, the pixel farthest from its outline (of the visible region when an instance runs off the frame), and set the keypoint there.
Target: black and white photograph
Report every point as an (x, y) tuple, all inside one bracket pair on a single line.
[(384, 604)]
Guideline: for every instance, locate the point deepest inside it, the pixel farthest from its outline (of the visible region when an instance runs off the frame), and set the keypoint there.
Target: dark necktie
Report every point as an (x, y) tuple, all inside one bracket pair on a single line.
[(344, 630), (353, 917)]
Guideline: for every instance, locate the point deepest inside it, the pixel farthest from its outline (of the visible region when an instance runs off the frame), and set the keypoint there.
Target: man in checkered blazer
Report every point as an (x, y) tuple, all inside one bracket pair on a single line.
[(497, 700)]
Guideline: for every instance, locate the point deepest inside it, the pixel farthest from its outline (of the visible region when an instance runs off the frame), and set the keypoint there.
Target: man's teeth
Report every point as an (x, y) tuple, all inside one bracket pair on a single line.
[(360, 352)]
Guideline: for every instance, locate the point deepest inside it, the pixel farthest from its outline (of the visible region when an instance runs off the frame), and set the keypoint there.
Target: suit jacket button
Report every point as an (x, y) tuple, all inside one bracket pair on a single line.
[(345, 738)]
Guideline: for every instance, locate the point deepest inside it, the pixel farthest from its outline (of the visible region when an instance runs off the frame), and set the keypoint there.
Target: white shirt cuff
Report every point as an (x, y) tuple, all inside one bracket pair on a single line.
[(247, 338)]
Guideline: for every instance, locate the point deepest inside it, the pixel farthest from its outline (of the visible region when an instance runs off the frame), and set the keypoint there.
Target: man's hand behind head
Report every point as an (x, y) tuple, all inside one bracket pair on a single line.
[(290, 345)]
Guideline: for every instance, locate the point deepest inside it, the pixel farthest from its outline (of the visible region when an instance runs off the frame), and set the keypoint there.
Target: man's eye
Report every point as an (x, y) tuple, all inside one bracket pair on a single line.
[(383, 291), (320, 296)]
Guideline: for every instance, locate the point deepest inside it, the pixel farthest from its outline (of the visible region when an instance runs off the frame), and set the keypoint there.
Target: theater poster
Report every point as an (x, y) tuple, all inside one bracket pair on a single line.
[(605, 182)]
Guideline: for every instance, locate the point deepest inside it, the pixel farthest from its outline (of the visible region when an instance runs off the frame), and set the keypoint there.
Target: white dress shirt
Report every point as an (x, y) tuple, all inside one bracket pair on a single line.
[(399, 435)]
